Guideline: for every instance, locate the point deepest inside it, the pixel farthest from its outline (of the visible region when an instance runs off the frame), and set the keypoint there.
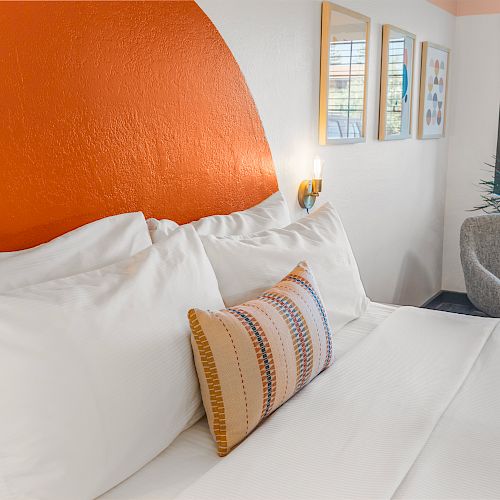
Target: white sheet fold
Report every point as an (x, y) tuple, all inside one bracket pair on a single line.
[(462, 457)]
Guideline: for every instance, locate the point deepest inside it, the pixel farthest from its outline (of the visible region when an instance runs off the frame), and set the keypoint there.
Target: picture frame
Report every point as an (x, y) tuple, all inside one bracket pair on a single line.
[(434, 75), (396, 83), (345, 43)]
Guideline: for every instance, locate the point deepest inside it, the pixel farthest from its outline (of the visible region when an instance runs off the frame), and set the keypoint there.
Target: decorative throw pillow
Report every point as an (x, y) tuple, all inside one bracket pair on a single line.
[(253, 357)]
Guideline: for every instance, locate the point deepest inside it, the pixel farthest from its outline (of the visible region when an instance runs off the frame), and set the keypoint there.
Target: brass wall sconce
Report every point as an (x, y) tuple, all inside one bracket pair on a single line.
[(309, 190)]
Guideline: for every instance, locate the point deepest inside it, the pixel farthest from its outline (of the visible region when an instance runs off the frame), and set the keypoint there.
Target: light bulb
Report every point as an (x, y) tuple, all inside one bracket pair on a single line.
[(317, 164)]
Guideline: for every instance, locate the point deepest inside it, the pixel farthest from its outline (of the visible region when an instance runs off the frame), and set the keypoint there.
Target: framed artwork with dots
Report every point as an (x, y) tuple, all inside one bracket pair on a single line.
[(433, 91)]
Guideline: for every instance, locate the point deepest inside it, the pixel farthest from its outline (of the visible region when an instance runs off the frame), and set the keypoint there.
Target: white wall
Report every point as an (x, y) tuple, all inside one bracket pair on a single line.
[(390, 194), (473, 129)]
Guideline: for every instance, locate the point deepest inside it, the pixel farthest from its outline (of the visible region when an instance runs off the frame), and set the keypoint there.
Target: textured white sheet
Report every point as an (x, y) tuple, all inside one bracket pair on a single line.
[(359, 428), (462, 458), (357, 330), (193, 453)]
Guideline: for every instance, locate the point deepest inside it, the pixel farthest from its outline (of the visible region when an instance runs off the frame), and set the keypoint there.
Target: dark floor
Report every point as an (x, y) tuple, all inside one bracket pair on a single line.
[(454, 302)]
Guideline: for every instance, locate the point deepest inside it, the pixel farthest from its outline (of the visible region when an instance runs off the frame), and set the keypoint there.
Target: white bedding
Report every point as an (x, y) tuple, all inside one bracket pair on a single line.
[(194, 453), (462, 460), (411, 404), (424, 423)]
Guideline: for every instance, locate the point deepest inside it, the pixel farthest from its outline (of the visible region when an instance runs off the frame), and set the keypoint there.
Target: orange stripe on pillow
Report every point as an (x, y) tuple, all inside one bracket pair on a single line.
[(212, 378)]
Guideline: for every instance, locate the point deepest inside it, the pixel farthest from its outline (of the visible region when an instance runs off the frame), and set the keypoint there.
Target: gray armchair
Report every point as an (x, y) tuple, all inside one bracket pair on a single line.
[(480, 254)]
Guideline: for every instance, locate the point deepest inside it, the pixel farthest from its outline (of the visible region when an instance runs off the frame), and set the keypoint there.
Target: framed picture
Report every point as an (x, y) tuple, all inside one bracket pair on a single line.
[(345, 38), (433, 91), (396, 84)]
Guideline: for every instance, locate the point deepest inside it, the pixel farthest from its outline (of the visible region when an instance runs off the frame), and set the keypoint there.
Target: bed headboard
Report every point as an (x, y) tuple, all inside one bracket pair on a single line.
[(111, 107)]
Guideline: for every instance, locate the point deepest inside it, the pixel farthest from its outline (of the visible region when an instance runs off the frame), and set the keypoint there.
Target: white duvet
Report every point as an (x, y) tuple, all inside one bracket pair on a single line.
[(412, 411)]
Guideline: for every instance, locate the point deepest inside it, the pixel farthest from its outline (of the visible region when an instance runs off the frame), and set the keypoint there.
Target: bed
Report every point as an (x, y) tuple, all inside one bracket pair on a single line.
[(409, 408)]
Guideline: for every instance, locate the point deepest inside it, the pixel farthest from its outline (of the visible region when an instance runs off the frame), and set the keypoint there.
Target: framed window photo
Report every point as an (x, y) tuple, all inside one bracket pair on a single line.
[(345, 38), (433, 91), (396, 84)]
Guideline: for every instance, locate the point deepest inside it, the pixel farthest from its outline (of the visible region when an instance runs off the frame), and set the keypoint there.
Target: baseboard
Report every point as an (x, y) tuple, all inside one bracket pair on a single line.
[(435, 296)]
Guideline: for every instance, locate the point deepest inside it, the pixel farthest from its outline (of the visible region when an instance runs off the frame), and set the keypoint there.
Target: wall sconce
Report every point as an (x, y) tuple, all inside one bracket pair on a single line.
[(309, 190)]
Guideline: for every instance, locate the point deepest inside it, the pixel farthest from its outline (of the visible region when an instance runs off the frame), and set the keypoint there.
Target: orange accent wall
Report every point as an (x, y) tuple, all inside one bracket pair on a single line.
[(110, 107)]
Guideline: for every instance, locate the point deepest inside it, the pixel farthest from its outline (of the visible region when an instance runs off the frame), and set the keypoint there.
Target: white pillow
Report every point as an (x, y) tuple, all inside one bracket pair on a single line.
[(96, 370), (247, 266), (270, 213), (89, 247)]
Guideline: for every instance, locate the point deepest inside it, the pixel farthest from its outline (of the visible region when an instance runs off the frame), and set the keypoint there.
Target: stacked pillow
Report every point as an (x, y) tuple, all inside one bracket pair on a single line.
[(272, 339), (248, 265), (272, 212), (99, 378), (89, 247), (96, 370)]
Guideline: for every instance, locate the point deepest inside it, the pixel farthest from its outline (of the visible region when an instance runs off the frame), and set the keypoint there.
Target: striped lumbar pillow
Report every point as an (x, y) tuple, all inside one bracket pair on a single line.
[(253, 357)]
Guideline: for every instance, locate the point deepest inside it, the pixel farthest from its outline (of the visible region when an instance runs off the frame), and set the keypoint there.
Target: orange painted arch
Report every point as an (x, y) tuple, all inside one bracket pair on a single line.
[(111, 107)]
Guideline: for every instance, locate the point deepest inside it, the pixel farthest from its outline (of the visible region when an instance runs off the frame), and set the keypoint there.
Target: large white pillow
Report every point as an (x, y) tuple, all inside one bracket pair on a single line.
[(89, 247), (96, 370), (270, 213), (247, 266)]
